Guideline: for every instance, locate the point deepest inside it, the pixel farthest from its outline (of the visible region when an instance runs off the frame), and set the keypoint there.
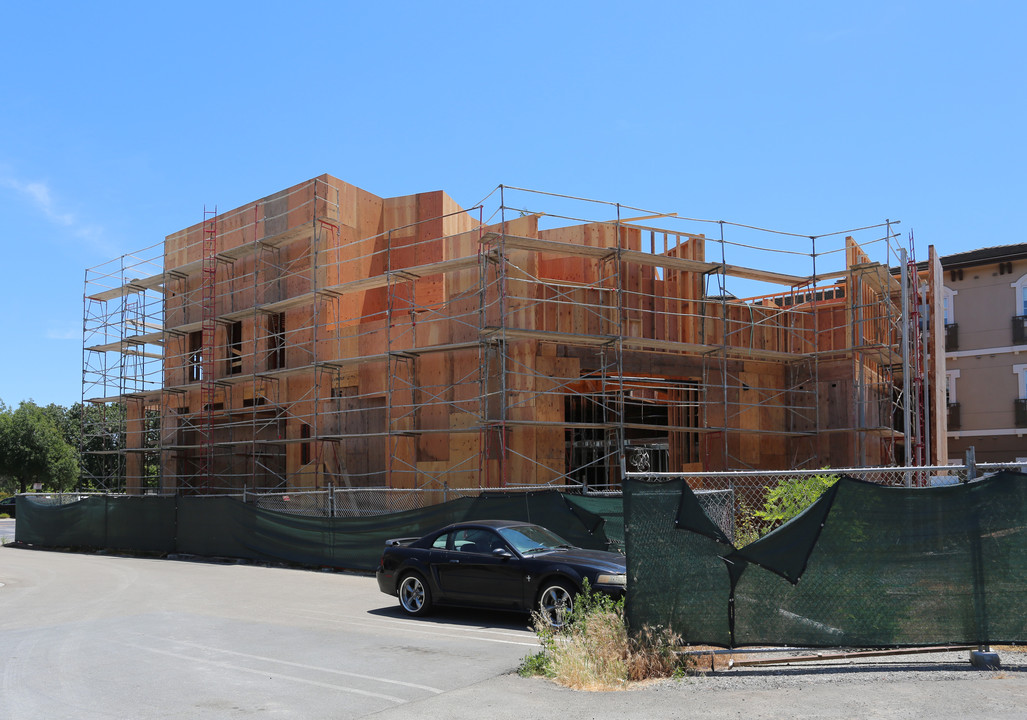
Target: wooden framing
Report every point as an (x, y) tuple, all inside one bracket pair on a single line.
[(398, 342)]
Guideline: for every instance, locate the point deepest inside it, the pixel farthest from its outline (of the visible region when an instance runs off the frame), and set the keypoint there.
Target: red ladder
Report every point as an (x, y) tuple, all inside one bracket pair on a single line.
[(919, 426), (208, 285)]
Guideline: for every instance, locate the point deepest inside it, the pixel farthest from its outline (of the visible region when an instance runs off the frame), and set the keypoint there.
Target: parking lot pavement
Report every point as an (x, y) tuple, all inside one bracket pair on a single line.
[(92, 636), (816, 693)]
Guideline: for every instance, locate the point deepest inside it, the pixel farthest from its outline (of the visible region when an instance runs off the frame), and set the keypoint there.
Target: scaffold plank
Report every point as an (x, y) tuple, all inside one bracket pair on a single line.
[(877, 276), (642, 258)]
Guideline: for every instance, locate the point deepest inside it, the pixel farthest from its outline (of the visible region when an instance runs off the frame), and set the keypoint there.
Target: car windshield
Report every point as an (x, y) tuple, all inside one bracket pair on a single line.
[(530, 539)]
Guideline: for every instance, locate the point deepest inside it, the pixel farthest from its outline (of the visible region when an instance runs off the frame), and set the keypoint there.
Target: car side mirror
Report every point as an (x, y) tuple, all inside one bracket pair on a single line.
[(501, 553)]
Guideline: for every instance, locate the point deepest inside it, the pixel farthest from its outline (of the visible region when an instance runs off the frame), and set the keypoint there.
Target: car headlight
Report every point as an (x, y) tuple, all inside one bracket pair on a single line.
[(621, 579)]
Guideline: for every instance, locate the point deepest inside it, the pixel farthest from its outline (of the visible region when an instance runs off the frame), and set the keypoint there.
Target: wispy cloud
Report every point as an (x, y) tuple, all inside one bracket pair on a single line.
[(40, 197)]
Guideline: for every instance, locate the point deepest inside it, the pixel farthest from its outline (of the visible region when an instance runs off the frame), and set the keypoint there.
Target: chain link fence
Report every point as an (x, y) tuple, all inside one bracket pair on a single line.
[(65, 498), (336, 502), (865, 566), (746, 505), (367, 502)]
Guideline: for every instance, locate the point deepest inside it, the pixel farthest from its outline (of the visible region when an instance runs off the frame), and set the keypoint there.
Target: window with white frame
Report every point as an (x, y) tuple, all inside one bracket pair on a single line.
[(1020, 404), (950, 386), (947, 306), (1021, 296), (1021, 380)]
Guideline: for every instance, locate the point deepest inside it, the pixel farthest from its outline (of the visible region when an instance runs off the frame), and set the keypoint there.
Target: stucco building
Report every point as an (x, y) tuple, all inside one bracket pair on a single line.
[(985, 308)]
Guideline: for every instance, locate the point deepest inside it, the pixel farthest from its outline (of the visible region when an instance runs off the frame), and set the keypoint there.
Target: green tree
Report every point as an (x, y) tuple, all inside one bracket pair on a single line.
[(100, 430), (33, 450), (66, 421)]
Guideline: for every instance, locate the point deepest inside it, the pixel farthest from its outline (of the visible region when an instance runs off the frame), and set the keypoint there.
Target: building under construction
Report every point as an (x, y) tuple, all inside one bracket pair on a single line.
[(326, 337)]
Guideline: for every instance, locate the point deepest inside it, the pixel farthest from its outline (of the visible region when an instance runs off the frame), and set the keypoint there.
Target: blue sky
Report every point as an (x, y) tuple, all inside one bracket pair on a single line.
[(119, 122)]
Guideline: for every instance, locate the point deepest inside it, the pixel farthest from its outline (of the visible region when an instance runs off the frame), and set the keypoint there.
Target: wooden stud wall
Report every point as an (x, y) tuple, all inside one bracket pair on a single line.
[(419, 417)]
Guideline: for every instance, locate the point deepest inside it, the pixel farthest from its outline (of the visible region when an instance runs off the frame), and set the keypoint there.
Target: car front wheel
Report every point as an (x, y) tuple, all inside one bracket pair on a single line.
[(555, 602), (414, 596)]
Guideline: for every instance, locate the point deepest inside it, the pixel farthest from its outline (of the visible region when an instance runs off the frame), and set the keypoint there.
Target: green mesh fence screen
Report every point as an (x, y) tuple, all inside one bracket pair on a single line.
[(610, 509), (224, 527), (864, 566), (117, 523), (80, 524), (577, 523), (675, 579)]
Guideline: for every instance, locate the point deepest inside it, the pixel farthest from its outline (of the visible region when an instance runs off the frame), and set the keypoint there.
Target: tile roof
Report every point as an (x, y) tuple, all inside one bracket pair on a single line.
[(983, 256)]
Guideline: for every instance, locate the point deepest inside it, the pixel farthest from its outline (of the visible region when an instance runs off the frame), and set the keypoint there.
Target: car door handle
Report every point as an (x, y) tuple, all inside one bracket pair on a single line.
[(454, 561)]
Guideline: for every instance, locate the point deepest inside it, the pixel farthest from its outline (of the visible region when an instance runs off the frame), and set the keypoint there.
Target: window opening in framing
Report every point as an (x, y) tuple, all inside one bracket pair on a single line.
[(234, 348), (195, 369), (305, 445), (276, 341), (586, 442)]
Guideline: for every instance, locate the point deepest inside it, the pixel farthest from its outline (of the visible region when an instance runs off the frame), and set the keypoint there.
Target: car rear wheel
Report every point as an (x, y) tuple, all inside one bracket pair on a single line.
[(414, 596), (555, 602)]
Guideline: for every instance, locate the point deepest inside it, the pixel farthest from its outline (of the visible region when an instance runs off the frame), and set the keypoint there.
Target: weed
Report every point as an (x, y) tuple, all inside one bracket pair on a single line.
[(748, 528), (782, 502), (592, 650), (537, 664)]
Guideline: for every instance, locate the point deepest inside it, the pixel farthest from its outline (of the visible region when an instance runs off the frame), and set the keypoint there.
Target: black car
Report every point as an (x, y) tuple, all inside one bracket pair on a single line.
[(495, 564), (7, 506)]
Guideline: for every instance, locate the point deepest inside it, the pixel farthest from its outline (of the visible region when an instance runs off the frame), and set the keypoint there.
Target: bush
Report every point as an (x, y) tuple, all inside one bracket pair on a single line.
[(592, 650), (790, 498), (781, 503)]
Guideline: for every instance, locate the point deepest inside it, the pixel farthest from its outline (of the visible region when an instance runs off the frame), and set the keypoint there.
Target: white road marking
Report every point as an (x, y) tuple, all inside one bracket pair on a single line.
[(413, 627), (318, 668), (240, 668)]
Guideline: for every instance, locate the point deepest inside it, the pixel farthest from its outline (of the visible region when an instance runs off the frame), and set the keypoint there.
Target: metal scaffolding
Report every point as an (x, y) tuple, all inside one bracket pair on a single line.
[(534, 339)]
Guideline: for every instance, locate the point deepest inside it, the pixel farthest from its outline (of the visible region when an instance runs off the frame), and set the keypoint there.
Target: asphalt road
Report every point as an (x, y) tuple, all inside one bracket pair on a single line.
[(93, 636)]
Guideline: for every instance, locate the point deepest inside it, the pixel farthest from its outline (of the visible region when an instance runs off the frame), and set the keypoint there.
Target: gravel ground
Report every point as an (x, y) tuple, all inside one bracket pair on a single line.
[(938, 686), (926, 667), (922, 685)]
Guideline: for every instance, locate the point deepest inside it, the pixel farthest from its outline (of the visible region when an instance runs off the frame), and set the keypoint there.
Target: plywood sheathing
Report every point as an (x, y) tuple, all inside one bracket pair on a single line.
[(406, 379), (936, 369)]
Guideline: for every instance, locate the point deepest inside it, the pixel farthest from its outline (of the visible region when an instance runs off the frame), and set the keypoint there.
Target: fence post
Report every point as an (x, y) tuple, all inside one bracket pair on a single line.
[(982, 657), (331, 499), (175, 541), (971, 464)]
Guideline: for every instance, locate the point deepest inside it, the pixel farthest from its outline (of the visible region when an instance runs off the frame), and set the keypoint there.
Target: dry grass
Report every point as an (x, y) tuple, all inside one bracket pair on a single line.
[(591, 654), (594, 652), (651, 655), (701, 662)]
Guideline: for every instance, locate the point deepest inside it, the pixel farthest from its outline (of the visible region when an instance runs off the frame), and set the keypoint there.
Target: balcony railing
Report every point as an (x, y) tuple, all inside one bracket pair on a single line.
[(1020, 412), (953, 416), (951, 337), (1020, 329)]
